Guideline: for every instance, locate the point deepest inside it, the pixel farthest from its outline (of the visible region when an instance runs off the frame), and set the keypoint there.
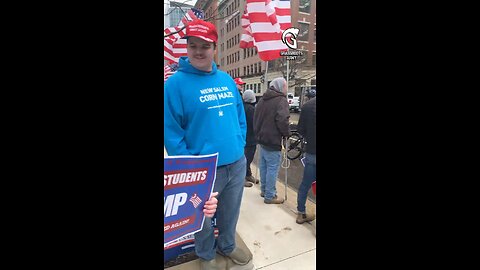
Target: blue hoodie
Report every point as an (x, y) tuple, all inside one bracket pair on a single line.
[(203, 114)]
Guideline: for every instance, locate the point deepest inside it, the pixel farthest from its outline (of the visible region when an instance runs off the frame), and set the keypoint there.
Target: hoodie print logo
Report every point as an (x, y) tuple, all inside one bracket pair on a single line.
[(217, 95)]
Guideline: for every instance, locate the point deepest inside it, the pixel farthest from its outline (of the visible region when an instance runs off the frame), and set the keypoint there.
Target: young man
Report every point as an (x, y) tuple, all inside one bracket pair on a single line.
[(307, 127), (204, 115), (251, 145), (271, 123)]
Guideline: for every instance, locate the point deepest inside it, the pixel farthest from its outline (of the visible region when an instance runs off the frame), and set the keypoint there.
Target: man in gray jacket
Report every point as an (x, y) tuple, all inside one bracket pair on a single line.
[(270, 124)]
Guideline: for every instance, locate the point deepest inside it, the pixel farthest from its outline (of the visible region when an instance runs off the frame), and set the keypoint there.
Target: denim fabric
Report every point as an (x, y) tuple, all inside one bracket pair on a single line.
[(269, 167), (249, 154), (229, 185), (309, 176)]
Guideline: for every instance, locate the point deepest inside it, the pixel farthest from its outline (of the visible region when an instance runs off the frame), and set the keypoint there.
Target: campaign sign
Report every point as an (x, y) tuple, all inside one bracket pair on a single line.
[(184, 244), (188, 184)]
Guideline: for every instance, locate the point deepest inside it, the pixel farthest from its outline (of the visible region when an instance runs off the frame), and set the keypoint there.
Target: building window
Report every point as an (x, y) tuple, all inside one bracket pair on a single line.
[(258, 85), (304, 6), (303, 33), (244, 71)]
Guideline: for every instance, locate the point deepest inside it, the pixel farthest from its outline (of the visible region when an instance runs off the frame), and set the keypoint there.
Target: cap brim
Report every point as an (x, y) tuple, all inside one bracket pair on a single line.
[(204, 38)]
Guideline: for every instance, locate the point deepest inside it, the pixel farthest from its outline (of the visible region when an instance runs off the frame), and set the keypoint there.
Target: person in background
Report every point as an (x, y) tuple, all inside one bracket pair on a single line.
[(251, 145), (204, 114), (307, 127), (240, 85), (270, 124)]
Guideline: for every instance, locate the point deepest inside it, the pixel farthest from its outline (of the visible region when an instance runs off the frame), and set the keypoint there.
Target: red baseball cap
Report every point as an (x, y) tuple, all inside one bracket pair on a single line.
[(202, 29), (239, 81)]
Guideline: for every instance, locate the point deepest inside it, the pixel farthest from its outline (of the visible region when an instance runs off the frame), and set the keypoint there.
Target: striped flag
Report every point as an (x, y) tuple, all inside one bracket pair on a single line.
[(169, 70), (173, 45), (263, 22), (195, 200)]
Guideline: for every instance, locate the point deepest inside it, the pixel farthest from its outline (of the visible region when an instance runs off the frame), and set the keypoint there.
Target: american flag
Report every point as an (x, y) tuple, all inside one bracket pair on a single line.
[(174, 46), (195, 200), (263, 22), (169, 70)]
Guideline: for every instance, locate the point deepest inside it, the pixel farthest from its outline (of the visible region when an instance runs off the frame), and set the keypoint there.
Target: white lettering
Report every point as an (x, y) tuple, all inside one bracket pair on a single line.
[(172, 202)]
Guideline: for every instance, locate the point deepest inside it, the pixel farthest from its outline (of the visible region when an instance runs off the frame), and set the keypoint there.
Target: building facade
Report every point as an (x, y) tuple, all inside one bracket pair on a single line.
[(176, 12), (245, 63)]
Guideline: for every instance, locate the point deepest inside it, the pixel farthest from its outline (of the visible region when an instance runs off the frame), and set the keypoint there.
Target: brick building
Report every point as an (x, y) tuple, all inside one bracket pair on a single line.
[(245, 63)]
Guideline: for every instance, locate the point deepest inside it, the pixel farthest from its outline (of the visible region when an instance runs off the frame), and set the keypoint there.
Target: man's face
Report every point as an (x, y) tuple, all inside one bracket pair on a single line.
[(200, 53), (285, 89), (240, 87)]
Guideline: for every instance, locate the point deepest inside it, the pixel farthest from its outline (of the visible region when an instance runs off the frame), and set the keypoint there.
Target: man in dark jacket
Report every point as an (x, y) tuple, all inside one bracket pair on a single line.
[(307, 127), (270, 124), (251, 145)]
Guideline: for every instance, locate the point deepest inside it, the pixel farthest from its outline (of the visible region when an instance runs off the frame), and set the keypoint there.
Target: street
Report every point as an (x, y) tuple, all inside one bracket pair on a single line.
[(294, 171)]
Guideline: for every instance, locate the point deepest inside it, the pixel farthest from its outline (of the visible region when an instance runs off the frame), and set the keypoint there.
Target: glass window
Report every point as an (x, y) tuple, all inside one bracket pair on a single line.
[(244, 71), (258, 87), (303, 33), (304, 6)]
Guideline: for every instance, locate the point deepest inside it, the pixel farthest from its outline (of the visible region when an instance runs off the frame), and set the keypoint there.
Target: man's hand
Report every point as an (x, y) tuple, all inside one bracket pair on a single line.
[(210, 206)]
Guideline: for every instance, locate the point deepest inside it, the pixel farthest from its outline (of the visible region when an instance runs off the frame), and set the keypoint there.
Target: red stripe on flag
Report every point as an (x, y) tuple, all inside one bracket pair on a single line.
[(264, 26)]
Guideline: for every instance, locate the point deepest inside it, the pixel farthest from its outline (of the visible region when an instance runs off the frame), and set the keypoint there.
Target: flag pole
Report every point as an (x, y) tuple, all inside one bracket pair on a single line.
[(266, 71), (266, 87), (287, 75)]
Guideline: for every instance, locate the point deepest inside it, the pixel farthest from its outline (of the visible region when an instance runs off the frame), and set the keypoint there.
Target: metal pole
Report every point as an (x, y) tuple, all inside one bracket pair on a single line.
[(266, 80), (286, 167), (287, 75)]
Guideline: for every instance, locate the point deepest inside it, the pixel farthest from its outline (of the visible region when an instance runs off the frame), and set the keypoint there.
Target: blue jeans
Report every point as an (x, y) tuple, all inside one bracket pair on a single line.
[(309, 176), (269, 167), (229, 185)]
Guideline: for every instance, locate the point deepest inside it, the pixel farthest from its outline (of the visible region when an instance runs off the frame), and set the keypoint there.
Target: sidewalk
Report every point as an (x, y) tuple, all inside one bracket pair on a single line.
[(270, 233)]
